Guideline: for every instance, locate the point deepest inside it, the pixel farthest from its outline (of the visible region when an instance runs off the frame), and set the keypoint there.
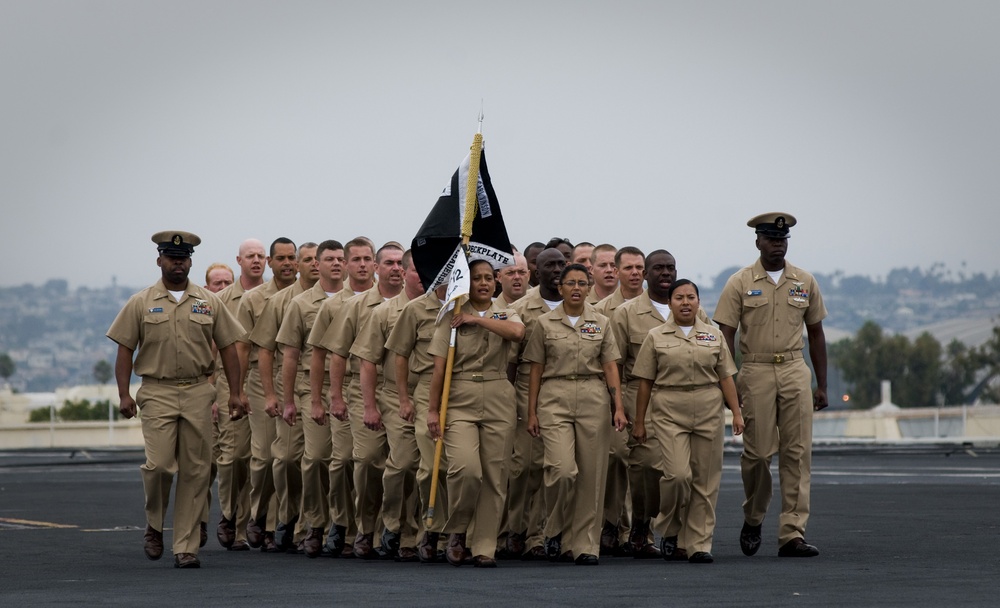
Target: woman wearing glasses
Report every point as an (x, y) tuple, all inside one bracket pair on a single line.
[(685, 376), (573, 368)]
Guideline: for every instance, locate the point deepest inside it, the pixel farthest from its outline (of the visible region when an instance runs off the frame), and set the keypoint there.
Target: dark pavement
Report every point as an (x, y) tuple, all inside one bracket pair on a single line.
[(900, 527)]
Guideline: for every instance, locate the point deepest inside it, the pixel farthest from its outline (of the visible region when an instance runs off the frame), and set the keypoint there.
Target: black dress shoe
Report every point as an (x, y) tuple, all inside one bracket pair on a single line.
[(609, 538), (586, 559), (427, 548), (204, 535), (255, 532), (797, 547), (481, 561), (668, 548), (553, 547), (226, 532), (455, 551), (750, 539), (284, 535), (701, 557), (313, 543), (390, 545), (335, 541)]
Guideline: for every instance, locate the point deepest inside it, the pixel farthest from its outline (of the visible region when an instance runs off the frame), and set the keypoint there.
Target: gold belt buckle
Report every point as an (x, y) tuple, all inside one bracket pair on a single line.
[(477, 377), (778, 359), (184, 383), (572, 377)]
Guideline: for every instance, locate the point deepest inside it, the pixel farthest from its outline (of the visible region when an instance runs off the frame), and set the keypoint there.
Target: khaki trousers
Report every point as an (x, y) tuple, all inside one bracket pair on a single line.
[(370, 451), (263, 504), (316, 455), (287, 450), (575, 423), (426, 446), (690, 427), (399, 481), (341, 472), (525, 513), (176, 430), (478, 438), (232, 462), (643, 463), (778, 411)]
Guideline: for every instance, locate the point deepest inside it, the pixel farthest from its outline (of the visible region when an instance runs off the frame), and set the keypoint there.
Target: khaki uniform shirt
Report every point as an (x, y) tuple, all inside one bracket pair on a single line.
[(608, 305), (298, 321), (327, 311), (340, 336), (567, 350), (672, 360), (251, 308), (529, 308), (476, 349), (264, 334), (370, 343), (631, 321), (174, 338), (770, 316), (411, 335)]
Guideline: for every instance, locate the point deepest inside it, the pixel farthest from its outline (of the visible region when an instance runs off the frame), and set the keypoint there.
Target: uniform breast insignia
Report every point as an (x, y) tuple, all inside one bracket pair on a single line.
[(798, 291), (156, 309), (500, 316), (704, 336), (201, 307), (590, 328), (754, 292)]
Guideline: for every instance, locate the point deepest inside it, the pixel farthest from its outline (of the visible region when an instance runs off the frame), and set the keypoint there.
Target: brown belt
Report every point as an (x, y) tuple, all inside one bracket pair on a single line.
[(575, 377), (685, 388), (478, 376), (175, 381), (775, 359)]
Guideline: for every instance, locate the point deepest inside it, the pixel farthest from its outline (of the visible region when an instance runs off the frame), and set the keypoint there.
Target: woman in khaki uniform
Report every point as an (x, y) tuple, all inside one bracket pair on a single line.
[(685, 373), (569, 350), (479, 430)]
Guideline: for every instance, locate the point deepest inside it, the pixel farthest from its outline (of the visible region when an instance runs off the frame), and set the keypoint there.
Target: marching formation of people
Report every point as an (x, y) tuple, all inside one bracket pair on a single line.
[(584, 411)]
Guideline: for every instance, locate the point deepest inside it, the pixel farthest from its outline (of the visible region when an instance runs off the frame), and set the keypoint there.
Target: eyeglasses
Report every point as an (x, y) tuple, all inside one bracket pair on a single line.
[(576, 283)]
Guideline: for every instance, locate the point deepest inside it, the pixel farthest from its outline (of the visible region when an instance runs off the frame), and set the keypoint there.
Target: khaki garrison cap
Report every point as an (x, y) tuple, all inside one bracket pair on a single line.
[(176, 243), (774, 225)]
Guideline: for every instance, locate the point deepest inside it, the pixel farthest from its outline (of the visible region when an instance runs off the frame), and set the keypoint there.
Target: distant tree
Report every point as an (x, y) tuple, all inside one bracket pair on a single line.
[(857, 360), (103, 371), (958, 373), (922, 378), (7, 367), (987, 357)]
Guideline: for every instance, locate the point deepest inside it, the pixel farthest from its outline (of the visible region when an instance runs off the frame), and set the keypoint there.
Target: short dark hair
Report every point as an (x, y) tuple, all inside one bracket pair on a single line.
[(628, 250), (328, 244), (657, 252), (535, 245), (681, 283), (556, 241), (571, 267), (281, 241)]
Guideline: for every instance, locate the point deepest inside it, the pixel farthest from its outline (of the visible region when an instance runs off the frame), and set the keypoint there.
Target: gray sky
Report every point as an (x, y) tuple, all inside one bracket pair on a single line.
[(656, 124)]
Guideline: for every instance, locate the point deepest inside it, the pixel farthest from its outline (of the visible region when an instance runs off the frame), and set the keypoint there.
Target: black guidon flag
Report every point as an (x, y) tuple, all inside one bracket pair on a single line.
[(437, 245)]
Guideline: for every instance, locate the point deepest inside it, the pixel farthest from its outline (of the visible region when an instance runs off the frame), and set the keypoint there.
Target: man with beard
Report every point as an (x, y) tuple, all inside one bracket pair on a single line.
[(172, 325)]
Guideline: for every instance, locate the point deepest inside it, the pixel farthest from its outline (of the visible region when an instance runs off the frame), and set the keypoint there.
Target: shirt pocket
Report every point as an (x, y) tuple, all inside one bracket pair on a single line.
[(201, 328), (756, 311), (155, 328), (590, 349), (798, 307)]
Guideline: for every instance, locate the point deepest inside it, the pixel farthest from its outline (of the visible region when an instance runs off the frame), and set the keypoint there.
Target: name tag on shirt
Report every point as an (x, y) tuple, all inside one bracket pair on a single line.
[(157, 309)]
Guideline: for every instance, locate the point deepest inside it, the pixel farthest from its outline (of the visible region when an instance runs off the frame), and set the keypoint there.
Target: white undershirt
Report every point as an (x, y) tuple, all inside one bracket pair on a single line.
[(330, 294), (550, 303), (775, 275), (482, 313), (573, 320), (663, 309), (177, 294), (686, 329)]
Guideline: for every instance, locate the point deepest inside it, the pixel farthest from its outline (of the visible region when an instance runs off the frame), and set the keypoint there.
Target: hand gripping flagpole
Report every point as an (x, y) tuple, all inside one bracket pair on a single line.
[(471, 199)]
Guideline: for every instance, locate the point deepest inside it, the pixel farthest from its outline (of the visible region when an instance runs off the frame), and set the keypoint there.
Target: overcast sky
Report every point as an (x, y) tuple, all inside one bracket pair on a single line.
[(656, 124)]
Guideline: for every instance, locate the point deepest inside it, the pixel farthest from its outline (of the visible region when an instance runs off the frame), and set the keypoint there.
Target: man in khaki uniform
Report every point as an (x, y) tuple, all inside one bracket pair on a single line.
[(513, 281), (629, 263), (381, 403), (173, 324), (233, 440), (409, 339), (286, 449), (604, 272), (296, 382), (525, 501), (263, 505), (769, 302), (531, 257), (340, 465), (370, 443)]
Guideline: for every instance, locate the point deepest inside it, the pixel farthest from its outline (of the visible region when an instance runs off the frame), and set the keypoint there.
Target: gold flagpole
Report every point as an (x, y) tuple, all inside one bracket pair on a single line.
[(471, 198)]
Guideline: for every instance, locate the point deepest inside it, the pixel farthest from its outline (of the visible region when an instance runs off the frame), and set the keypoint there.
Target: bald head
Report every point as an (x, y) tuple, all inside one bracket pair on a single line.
[(549, 265), (252, 261), (514, 278)]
